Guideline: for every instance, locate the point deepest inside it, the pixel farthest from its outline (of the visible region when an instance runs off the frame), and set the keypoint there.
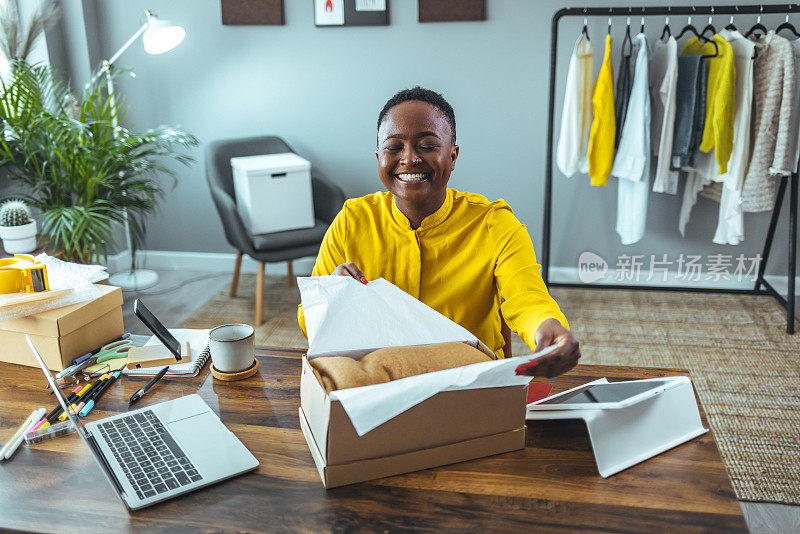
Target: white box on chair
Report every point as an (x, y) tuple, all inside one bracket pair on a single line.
[(273, 192)]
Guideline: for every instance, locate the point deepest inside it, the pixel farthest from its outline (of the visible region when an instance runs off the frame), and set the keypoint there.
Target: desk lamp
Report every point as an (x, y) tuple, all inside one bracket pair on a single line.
[(158, 36)]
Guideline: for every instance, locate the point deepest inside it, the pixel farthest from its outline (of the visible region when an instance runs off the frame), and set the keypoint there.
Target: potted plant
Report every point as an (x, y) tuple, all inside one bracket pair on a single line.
[(81, 170), (17, 229)]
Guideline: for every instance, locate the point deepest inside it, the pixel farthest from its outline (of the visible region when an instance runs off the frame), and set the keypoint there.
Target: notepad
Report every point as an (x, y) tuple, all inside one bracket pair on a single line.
[(198, 350)]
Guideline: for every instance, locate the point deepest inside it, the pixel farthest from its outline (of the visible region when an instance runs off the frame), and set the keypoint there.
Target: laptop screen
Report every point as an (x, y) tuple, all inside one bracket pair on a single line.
[(81, 431)]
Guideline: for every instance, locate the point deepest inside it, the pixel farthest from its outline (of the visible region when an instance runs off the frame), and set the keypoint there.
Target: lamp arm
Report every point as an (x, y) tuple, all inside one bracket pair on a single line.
[(130, 41)]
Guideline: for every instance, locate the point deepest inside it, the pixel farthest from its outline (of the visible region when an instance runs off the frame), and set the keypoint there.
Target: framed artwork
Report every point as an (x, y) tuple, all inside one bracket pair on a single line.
[(252, 12), (351, 12), (451, 10)]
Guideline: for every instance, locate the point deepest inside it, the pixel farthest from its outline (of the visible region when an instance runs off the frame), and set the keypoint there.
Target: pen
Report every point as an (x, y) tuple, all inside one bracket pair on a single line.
[(72, 369), (13, 443), (64, 414), (95, 351), (138, 395), (91, 402), (88, 395)]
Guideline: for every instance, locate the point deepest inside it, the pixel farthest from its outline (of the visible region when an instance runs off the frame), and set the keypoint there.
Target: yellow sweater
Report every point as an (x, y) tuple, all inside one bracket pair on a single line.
[(720, 98), (601, 137), (469, 260)]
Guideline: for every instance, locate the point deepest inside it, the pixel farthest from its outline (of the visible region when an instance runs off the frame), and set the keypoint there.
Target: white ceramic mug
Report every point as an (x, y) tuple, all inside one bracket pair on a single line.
[(232, 347)]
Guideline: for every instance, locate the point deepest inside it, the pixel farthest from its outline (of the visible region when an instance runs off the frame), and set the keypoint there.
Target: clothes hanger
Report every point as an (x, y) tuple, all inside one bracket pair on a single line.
[(709, 26), (666, 31), (627, 38), (786, 25), (609, 21), (731, 26), (757, 26), (641, 28), (691, 29), (585, 30)]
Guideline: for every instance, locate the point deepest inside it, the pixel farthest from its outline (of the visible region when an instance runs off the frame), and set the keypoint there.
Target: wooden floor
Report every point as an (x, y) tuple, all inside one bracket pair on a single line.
[(179, 293)]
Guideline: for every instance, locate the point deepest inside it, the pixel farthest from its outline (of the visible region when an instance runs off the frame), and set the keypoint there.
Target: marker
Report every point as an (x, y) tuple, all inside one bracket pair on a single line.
[(95, 351), (14, 442), (138, 395), (63, 416), (72, 369), (51, 417), (88, 395), (42, 421), (91, 402)]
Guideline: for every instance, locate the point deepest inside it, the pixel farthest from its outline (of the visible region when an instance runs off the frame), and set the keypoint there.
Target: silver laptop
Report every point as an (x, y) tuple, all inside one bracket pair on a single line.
[(155, 453)]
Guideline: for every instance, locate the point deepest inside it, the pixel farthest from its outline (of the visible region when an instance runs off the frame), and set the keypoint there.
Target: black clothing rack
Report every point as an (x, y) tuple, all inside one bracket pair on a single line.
[(762, 287)]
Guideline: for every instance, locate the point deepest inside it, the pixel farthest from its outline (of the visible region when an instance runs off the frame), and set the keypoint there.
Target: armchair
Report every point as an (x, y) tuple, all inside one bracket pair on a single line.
[(272, 247)]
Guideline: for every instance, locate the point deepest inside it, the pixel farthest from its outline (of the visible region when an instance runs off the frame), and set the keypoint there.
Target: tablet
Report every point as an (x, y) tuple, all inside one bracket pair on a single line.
[(601, 396)]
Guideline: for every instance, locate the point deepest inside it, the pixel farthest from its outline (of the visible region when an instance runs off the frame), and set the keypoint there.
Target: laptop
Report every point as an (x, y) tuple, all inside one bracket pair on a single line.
[(156, 453)]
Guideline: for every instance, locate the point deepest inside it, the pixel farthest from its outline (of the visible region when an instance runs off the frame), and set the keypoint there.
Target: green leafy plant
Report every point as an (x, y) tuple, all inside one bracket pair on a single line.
[(81, 170), (14, 213)]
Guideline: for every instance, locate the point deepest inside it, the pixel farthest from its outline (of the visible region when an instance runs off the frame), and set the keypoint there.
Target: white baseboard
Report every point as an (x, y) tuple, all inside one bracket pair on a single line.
[(569, 275), (202, 261)]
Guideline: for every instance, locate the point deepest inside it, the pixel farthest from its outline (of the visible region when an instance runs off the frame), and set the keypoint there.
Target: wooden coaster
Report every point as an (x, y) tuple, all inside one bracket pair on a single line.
[(239, 375)]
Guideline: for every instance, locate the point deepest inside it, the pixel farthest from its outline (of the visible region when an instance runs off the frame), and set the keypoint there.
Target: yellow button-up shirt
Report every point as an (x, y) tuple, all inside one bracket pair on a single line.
[(469, 260)]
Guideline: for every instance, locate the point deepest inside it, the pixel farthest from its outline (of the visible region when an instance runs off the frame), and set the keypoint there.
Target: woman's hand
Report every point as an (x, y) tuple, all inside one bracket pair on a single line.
[(350, 269), (561, 360)]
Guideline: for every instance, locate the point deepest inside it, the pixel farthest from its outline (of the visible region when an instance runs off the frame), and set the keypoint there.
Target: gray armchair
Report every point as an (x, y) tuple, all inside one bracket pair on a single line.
[(274, 247)]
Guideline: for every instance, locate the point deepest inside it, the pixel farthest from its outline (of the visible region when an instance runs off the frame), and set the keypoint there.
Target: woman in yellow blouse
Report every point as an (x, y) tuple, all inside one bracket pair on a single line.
[(466, 257)]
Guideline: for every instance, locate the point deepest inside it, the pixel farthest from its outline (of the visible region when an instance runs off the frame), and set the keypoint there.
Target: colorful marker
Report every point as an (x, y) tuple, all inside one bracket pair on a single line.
[(90, 403), (51, 417), (88, 395), (63, 416)]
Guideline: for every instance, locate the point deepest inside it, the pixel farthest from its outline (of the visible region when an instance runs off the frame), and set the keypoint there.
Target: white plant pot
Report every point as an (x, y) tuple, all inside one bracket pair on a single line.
[(19, 239)]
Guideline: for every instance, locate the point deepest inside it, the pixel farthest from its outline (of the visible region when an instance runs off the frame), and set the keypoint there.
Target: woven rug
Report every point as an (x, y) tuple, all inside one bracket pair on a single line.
[(745, 368)]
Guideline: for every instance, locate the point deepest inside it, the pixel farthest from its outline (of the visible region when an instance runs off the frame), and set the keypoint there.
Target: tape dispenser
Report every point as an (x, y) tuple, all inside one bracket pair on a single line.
[(23, 274)]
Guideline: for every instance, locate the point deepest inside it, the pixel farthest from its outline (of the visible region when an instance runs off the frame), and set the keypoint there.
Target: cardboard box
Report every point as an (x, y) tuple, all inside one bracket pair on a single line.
[(63, 334), (451, 426)]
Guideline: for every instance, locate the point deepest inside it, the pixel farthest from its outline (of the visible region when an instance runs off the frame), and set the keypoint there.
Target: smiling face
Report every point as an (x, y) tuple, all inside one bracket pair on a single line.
[(416, 155)]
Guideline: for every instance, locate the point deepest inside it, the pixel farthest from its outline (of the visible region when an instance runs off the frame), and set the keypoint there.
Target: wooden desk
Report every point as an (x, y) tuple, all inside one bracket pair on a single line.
[(550, 485)]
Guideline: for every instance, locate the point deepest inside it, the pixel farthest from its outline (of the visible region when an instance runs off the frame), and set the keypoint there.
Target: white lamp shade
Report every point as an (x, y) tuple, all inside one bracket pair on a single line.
[(162, 36)]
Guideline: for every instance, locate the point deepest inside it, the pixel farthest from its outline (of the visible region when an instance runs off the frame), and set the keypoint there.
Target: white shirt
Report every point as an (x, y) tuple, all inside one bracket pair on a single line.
[(663, 84), (576, 117), (632, 162)]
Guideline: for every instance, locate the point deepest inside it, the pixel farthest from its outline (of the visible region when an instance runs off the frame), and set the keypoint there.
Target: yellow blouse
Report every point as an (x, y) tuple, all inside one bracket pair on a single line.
[(601, 136), (720, 97), (469, 260)]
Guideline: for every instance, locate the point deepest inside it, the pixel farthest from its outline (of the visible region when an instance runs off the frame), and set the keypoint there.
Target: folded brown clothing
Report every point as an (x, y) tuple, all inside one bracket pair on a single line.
[(393, 363)]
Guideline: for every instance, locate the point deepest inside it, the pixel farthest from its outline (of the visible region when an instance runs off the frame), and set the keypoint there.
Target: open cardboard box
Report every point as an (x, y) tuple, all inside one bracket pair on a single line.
[(447, 427), (63, 334)]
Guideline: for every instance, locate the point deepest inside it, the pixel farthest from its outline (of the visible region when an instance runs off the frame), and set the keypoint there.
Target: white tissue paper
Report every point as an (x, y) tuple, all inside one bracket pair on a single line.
[(71, 282), (345, 317)]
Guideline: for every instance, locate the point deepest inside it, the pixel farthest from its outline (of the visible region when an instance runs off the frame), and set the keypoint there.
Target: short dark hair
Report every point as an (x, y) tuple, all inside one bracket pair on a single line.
[(423, 95)]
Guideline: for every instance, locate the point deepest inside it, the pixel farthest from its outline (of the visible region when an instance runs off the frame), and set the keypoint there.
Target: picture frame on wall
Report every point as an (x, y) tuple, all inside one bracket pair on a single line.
[(332, 13), (252, 12), (451, 10)]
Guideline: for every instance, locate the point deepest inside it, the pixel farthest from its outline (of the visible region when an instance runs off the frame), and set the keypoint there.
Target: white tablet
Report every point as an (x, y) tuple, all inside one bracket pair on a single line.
[(601, 396)]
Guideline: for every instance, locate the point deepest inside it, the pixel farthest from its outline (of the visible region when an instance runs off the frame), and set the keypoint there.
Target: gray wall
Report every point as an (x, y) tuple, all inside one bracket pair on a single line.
[(321, 89)]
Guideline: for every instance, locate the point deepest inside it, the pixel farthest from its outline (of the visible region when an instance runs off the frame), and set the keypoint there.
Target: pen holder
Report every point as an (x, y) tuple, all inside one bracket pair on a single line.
[(155, 355)]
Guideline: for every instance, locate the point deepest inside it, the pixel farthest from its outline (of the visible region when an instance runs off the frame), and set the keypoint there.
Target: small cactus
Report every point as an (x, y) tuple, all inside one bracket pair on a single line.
[(14, 213)]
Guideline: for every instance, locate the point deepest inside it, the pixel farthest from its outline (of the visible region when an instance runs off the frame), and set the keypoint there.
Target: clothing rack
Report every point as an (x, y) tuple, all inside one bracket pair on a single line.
[(761, 287)]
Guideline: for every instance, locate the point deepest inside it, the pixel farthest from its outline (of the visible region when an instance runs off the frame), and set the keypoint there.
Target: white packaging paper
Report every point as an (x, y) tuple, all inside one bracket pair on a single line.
[(345, 317)]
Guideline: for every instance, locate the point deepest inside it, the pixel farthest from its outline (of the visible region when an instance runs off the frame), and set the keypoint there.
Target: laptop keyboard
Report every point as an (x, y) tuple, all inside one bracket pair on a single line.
[(148, 455)]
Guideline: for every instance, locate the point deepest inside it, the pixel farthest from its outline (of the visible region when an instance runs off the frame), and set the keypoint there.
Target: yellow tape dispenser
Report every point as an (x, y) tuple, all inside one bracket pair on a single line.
[(23, 274)]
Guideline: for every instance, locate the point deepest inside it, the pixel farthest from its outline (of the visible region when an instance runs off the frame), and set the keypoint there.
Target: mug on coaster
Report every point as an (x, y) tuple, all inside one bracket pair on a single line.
[(232, 347)]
